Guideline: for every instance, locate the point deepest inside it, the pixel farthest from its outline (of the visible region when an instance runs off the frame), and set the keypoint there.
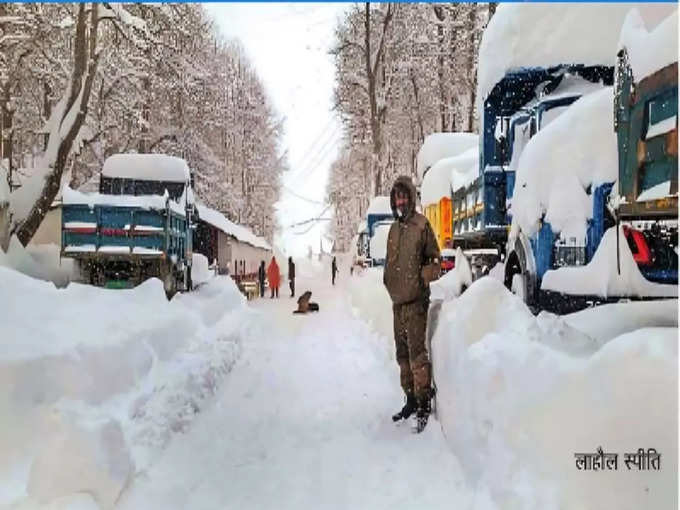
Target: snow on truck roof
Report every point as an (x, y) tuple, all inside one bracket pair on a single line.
[(649, 51), (544, 35), (442, 145), (148, 167), (156, 202), (447, 174), (379, 205)]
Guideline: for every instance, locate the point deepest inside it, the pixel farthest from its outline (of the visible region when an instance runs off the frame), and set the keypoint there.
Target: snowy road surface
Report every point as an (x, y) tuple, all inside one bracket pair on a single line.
[(303, 421)]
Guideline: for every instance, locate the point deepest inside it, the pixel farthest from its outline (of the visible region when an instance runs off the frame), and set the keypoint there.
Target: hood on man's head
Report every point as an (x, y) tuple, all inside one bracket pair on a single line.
[(403, 182)]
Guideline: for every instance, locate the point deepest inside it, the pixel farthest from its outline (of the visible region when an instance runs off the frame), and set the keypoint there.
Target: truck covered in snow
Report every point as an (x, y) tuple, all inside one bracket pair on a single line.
[(441, 155), (379, 210), (524, 85), (138, 226), (594, 215)]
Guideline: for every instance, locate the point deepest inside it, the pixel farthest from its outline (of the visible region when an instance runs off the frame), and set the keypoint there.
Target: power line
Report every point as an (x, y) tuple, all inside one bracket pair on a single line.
[(313, 221), (311, 201), (304, 163), (321, 156), (330, 144)]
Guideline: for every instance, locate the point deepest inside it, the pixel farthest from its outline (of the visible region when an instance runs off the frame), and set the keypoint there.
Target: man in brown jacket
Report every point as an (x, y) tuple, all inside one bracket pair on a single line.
[(411, 263)]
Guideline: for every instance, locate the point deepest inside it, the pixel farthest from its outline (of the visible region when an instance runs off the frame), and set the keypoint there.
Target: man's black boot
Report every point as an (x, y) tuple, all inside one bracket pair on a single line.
[(408, 409), (422, 413)]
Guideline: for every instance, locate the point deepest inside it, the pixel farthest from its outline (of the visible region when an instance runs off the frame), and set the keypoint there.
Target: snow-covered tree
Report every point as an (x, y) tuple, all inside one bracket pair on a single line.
[(78, 84), (425, 60)]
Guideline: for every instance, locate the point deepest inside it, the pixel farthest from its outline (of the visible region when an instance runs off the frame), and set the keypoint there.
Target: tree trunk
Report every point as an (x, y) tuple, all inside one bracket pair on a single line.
[(419, 114), (82, 77), (7, 123), (471, 68), (439, 12), (372, 71), (144, 141), (47, 109)]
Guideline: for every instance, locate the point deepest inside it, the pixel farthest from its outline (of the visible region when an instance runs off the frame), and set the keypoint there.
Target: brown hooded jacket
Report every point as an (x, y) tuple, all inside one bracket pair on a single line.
[(412, 259)]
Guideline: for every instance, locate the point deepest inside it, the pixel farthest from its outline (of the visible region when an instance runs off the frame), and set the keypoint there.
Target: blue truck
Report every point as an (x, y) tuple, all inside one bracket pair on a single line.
[(519, 105), (645, 123), (138, 226)]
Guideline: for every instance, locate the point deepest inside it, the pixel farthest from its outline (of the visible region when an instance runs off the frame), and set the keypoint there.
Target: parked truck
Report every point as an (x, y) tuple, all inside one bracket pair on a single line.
[(640, 195), (138, 226)]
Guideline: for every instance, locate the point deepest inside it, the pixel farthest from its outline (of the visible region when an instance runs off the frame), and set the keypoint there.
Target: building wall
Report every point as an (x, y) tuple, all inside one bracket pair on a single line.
[(49, 231), (223, 252)]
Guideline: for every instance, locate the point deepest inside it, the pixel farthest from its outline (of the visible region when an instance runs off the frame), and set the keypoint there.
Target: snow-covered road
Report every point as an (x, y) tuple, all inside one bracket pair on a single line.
[(303, 421)]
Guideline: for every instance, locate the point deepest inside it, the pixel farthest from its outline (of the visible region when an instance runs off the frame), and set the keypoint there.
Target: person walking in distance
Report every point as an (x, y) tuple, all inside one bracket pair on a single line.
[(411, 263), (334, 269), (291, 276), (274, 276), (261, 275)]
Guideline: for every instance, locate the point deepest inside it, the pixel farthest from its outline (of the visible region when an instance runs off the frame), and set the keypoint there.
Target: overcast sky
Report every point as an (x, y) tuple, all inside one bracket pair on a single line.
[(288, 44)]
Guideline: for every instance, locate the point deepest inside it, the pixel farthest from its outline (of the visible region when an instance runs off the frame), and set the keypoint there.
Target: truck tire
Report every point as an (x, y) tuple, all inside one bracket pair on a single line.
[(517, 278)]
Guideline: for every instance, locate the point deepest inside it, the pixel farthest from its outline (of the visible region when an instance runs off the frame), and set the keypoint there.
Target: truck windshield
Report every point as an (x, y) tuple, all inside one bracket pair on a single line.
[(120, 186)]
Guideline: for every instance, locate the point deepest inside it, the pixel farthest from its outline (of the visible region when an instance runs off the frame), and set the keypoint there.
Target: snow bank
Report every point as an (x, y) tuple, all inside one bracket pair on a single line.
[(379, 205), (518, 395), (453, 283), (371, 302), (200, 269), (576, 150), (96, 381), (447, 174), (649, 51), (148, 167), (606, 322), (442, 145), (600, 276), (39, 261), (543, 35), (218, 220)]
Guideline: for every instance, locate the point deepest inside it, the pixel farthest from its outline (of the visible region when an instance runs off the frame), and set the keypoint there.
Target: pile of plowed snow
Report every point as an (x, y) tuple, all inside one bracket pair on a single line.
[(519, 395), (95, 381)]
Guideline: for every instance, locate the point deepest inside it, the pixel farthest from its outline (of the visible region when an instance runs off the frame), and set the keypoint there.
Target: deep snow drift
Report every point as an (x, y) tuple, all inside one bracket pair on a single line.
[(303, 421), (96, 382), (118, 397), (518, 395)]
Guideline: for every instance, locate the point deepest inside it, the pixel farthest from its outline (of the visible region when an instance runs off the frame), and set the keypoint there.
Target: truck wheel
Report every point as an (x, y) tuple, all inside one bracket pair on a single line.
[(516, 277)]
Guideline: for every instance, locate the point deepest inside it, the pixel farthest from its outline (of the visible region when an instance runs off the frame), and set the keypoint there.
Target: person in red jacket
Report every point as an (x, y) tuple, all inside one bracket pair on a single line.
[(274, 276)]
